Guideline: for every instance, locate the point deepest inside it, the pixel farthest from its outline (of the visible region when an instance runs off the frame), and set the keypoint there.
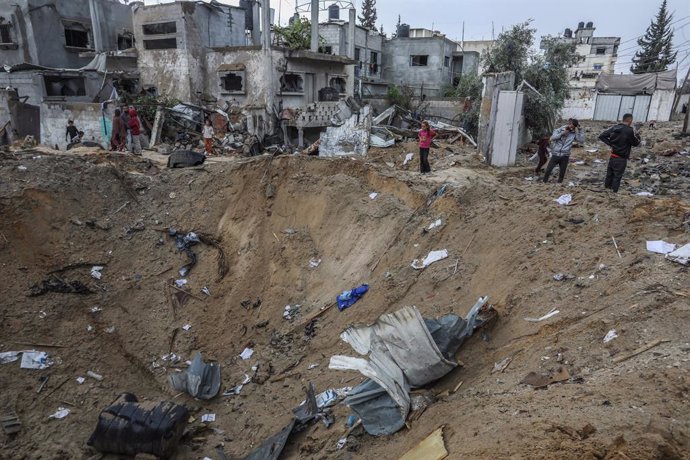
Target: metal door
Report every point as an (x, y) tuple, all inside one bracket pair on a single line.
[(607, 107), (627, 106), (641, 109)]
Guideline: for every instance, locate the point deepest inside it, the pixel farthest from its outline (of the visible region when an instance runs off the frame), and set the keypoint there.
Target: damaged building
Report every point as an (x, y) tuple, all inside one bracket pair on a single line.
[(63, 71), (239, 68), (428, 61)]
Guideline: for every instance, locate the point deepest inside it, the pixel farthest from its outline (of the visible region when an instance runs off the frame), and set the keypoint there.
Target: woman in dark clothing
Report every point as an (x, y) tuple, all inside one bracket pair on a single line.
[(118, 138)]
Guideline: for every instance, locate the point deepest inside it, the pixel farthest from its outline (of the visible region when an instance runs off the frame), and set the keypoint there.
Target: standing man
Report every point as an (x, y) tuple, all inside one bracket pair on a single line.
[(72, 132), (561, 142), (621, 138)]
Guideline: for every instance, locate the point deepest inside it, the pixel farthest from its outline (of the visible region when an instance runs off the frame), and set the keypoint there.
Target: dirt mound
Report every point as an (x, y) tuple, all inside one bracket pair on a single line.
[(298, 231)]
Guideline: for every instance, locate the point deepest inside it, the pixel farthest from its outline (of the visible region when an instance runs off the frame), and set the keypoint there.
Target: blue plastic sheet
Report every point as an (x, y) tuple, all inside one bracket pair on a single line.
[(349, 298)]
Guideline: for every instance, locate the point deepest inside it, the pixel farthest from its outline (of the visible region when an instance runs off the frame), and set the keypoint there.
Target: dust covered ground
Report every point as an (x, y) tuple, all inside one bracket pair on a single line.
[(506, 237)]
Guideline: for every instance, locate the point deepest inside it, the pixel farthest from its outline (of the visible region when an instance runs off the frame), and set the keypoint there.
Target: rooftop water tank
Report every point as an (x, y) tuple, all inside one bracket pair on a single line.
[(568, 33), (590, 25), (581, 25), (333, 12), (404, 31)]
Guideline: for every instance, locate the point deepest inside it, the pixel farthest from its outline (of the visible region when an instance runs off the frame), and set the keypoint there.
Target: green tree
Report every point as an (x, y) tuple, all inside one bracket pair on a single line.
[(656, 46), (368, 17), (469, 87), (547, 72), (296, 36)]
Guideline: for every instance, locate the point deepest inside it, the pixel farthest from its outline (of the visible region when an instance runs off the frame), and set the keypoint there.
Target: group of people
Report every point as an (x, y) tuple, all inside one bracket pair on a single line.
[(621, 138), (126, 125)]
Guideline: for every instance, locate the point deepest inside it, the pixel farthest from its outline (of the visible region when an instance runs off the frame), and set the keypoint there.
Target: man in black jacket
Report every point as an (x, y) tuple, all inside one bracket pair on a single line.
[(621, 138)]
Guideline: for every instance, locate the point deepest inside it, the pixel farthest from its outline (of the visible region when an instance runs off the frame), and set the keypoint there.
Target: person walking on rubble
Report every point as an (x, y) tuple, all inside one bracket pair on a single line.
[(208, 137), (72, 132), (562, 141), (135, 131), (543, 152), (621, 138), (426, 134), (118, 137)]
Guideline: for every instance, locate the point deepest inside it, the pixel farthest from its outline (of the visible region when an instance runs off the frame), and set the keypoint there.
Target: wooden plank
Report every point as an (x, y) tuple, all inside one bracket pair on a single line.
[(640, 350)]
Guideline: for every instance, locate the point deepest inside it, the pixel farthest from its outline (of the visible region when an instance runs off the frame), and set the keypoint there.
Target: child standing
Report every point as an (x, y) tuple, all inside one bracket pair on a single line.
[(426, 134), (543, 152), (208, 137)]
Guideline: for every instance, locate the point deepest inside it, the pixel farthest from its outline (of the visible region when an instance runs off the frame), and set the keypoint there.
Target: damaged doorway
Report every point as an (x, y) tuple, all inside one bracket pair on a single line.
[(61, 86)]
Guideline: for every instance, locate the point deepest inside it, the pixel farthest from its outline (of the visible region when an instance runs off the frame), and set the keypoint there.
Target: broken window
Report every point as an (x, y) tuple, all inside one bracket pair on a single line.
[(601, 51), (160, 44), (77, 36), (125, 41), (64, 86), (338, 83), (292, 83), (446, 61), (233, 82), (326, 50), (5, 32), (589, 75), (160, 28), (419, 60), (374, 59)]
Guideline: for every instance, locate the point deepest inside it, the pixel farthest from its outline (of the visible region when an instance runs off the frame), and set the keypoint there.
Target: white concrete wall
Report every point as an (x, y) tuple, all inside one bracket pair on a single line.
[(661, 106), (87, 118), (580, 105)]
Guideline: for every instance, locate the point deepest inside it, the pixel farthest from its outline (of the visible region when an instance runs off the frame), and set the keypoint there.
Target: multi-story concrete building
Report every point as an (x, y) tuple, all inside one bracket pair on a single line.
[(428, 61), (599, 53), (55, 33), (367, 75)]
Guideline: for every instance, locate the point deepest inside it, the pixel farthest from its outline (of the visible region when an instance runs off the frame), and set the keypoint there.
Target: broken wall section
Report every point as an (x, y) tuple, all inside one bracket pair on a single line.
[(352, 137), (87, 118)]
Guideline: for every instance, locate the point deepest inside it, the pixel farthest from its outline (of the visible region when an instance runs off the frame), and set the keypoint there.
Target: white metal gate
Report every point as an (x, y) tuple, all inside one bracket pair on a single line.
[(612, 107), (607, 107)]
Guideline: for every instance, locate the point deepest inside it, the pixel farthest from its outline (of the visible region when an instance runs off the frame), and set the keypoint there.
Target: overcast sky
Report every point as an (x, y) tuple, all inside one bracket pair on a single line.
[(626, 19)]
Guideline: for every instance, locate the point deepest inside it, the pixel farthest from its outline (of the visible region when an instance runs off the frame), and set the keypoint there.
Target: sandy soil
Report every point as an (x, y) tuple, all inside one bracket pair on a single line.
[(506, 236)]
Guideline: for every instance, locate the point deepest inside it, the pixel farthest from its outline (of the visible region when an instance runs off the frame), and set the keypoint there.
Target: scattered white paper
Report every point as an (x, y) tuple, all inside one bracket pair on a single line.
[(644, 194), (341, 443), (96, 309), (181, 282), (408, 158), (205, 291), (9, 356), (110, 329), (89, 328), (246, 353), (373, 195), (564, 199), (312, 366), (96, 272), (61, 413), (208, 418), (550, 314), (598, 161), (680, 255), (660, 247), (21, 168), (592, 150), (186, 327), (313, 263), (81, 380), (610, 336), (579, 163), (35, 360), (433, 256), (436, 223)]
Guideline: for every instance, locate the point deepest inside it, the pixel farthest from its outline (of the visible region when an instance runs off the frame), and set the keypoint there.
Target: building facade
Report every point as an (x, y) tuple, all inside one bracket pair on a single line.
[(54, 33)]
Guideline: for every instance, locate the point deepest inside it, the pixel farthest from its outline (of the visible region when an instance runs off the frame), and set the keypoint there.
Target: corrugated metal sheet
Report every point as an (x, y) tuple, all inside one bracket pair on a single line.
[(627, 106), (641, 109), (607, 107)]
